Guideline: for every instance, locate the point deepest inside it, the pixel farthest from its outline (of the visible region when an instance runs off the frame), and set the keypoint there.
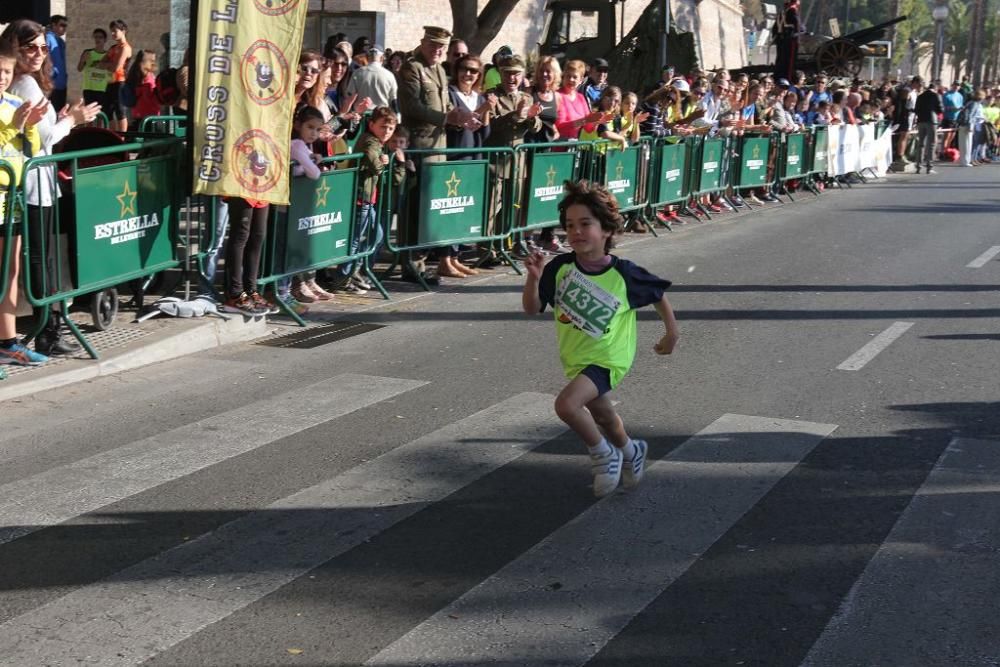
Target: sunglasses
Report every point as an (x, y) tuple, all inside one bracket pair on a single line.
[(35, 48), (338, 63), (306, 69), (470, 70)]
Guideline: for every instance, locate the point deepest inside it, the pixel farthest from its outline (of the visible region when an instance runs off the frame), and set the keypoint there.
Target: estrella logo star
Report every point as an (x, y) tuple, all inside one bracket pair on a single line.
[(322, 190), (619, 171), (453, 184), (550, 176), (127, 195), (756, 152)]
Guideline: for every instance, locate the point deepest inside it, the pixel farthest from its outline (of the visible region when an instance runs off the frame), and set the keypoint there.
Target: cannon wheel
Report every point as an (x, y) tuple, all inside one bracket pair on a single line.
[(839, 57)]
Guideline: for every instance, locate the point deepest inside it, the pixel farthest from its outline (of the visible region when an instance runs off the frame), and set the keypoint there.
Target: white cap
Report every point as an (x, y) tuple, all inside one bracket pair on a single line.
[(681, 85)]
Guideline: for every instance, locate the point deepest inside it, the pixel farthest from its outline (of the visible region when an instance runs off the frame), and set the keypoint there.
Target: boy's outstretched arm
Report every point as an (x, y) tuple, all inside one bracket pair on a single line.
[(669, 341), (530, 301)]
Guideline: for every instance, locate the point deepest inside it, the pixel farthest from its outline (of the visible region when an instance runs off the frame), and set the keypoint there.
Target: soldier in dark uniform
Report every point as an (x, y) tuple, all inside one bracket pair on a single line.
[(426, 109), (786, 38)]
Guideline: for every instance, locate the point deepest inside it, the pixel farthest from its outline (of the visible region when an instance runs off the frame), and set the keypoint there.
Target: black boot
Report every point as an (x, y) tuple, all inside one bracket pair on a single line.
[(51, 341)]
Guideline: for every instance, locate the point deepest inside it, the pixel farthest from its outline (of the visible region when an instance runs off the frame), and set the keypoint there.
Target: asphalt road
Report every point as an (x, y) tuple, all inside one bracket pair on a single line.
[(823, 490)]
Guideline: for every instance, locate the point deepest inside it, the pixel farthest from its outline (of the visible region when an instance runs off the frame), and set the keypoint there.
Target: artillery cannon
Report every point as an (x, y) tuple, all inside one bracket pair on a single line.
[(837, 56)]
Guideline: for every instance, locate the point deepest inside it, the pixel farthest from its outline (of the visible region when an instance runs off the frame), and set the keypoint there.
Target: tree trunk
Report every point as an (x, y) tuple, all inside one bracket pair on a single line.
[(478, 29)]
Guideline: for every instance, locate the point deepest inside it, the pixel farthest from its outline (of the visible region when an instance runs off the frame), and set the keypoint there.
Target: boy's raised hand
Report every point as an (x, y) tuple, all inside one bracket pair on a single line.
[(533, 264)]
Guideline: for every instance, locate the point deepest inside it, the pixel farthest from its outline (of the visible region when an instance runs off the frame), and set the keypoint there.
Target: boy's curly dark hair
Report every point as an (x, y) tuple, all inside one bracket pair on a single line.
[(602, 205)]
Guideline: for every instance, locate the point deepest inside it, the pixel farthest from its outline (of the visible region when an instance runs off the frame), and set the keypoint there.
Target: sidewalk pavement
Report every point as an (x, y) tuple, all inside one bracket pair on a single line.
[(127, 345)]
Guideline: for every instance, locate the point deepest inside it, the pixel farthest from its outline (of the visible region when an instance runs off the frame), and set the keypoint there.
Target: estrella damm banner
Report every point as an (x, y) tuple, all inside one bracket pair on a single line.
[(245, 64), (795, 150), (711, 165), (320, 220), (124, 218), (671, 185), (621, 174), (453, 196), (753, 161), (545, 187)]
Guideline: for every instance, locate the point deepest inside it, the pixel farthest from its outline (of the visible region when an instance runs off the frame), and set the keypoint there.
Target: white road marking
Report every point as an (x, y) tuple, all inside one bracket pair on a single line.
[(151, 606), (686, 502), (928, 596), (62, 493), (859, 359), (982, 260)]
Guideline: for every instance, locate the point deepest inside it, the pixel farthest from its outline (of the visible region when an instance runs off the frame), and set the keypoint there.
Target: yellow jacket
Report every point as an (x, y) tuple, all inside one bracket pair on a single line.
[(14, 141)]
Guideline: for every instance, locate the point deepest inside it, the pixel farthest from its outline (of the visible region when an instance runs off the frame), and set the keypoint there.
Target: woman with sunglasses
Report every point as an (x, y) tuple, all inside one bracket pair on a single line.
[(32, 83), (466, 94)]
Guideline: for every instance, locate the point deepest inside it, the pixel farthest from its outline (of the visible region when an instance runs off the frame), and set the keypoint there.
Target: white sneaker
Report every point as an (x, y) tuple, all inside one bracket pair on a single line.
[(607, 472), (632, 470)]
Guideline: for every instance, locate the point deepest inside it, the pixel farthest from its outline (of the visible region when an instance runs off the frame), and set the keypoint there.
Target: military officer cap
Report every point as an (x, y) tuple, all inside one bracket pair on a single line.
[(437, 35), (512, 64)]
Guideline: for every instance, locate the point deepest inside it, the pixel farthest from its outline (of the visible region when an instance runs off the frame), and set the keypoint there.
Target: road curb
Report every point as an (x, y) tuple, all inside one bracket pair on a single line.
[(205, 335)]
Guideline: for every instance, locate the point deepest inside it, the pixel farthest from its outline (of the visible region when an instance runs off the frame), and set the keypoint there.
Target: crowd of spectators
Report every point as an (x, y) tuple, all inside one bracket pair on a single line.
[(440, 95)]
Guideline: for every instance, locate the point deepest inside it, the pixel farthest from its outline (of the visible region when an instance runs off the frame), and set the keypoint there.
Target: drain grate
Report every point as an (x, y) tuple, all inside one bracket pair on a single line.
[(321, 335)]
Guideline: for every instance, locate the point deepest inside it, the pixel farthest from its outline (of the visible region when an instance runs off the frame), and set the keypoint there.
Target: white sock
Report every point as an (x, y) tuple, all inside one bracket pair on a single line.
[(600, 450), (629, 450)]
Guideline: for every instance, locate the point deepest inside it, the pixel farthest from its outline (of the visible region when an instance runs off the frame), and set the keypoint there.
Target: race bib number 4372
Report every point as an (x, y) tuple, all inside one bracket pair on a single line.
[(587, 305)]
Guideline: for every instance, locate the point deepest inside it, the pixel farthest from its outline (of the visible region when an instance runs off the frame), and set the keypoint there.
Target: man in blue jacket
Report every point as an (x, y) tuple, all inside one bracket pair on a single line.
[(55, 39)]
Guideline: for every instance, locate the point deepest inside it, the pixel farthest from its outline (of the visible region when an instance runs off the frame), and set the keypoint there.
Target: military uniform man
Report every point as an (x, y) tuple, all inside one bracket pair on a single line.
[(425, 109)]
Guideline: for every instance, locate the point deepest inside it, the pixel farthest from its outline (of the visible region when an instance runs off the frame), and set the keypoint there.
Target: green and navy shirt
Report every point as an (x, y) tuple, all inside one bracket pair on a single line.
[(595, 312)]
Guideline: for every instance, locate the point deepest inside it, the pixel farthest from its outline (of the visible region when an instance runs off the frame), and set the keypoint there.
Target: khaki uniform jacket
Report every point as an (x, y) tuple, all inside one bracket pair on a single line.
[(506, 127), (423, 102)]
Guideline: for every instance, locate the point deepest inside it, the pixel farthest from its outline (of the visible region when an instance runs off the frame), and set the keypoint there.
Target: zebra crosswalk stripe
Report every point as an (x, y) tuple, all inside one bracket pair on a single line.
[(151, 606), (59, 494), (564, 599), (920, 577)]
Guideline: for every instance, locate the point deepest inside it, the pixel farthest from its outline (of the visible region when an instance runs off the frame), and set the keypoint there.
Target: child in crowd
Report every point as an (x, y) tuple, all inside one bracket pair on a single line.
[(18, 138), (306, 129), (379, 129), (630, 121), (608, 127), (594, 296), (142, 79)]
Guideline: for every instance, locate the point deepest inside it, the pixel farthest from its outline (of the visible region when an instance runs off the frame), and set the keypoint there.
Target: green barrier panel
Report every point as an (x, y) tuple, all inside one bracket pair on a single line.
[(819, 157), (7, 207), (545, 186), (320, 220), (119, 232), (455, 196), (175, 125), (794, 164), (753, 161), (621, 176), (671, 184), (710, 176)]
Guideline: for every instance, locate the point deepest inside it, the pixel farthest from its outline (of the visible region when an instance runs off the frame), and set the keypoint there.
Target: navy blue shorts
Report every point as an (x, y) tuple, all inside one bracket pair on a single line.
[(600, 376)]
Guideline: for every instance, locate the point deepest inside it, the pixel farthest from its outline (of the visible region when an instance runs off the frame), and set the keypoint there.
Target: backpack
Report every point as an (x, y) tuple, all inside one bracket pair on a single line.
[(126, 95), (963, 116), (168, 93)]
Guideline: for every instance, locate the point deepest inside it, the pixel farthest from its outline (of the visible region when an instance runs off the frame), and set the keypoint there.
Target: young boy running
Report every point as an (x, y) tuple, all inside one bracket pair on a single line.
[(594, 296)]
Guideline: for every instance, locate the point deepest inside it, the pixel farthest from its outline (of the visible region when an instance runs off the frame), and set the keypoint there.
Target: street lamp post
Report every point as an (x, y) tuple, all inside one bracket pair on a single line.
[(940, 15)]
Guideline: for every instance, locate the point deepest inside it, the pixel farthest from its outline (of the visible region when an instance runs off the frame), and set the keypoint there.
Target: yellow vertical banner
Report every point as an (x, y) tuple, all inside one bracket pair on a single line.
[(246, 60)]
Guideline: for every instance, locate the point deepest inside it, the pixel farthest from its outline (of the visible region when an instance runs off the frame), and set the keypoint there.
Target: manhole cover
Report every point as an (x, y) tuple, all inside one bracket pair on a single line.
[(320, 335)]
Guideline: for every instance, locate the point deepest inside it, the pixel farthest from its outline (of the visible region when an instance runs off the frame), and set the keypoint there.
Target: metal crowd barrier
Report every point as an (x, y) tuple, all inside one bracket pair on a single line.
[(546, 166), (8, 205), (175, 125), (317, 228), (120, 218), (622, 172), (791, 163), (669, 176), (459, 196)]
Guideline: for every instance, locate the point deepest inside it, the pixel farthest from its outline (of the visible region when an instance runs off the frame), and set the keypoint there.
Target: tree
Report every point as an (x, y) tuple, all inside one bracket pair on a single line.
[(477, 28)]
